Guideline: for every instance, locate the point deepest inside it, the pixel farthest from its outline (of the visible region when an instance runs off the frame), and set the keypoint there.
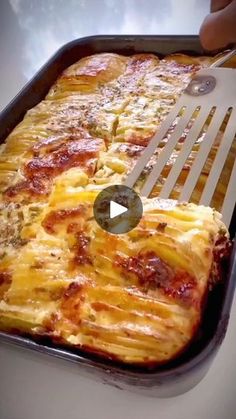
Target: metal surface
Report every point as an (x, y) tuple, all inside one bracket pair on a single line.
[(211, 94), (223, 59), (201, 85), (204, 84), (181, 375)]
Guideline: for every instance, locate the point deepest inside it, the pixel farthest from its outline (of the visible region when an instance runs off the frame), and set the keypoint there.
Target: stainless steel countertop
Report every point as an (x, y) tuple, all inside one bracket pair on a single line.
[(34, 386)]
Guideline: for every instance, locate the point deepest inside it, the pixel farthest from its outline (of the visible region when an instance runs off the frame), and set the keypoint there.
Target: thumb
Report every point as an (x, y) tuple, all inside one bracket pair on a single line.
[(219, 28)]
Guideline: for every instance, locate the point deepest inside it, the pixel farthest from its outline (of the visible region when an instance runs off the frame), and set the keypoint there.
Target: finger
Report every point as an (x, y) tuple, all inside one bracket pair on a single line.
[(219, 4), (219, 29)]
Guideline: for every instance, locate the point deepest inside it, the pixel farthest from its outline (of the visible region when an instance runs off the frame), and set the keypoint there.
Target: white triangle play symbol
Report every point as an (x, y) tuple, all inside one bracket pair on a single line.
[(116, 209)]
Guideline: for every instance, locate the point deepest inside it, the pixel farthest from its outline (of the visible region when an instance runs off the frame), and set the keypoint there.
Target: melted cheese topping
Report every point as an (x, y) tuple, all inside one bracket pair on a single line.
[(137, 297)]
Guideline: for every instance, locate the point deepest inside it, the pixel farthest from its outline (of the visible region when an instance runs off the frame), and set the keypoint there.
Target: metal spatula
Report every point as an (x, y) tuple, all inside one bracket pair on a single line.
[(211, 94)]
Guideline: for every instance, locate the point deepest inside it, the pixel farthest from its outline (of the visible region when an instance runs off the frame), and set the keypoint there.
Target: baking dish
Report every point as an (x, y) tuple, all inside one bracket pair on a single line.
[(182, 374)]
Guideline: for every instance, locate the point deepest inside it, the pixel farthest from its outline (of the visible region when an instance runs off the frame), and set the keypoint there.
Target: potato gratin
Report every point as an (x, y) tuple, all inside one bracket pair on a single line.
[(136, 297)]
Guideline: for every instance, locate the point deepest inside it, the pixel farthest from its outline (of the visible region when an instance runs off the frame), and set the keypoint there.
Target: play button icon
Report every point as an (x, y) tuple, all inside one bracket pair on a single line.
[(118, 209)]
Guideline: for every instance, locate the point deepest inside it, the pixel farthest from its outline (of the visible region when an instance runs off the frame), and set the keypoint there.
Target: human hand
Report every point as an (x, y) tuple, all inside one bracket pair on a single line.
[(219, 28)]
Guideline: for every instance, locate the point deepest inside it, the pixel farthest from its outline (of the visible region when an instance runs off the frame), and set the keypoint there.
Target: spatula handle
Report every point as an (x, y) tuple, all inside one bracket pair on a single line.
[(223, 59)]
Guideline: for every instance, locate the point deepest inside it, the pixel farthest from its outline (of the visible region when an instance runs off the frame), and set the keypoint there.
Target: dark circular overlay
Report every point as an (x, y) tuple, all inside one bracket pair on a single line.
[(121, 195)]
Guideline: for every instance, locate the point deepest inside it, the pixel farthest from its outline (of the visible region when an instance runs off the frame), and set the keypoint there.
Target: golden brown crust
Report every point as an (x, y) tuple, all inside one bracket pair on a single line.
[(135, 297)]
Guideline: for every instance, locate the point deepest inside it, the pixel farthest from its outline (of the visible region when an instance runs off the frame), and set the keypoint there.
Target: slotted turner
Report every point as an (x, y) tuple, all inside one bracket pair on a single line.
[(211, 94)]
